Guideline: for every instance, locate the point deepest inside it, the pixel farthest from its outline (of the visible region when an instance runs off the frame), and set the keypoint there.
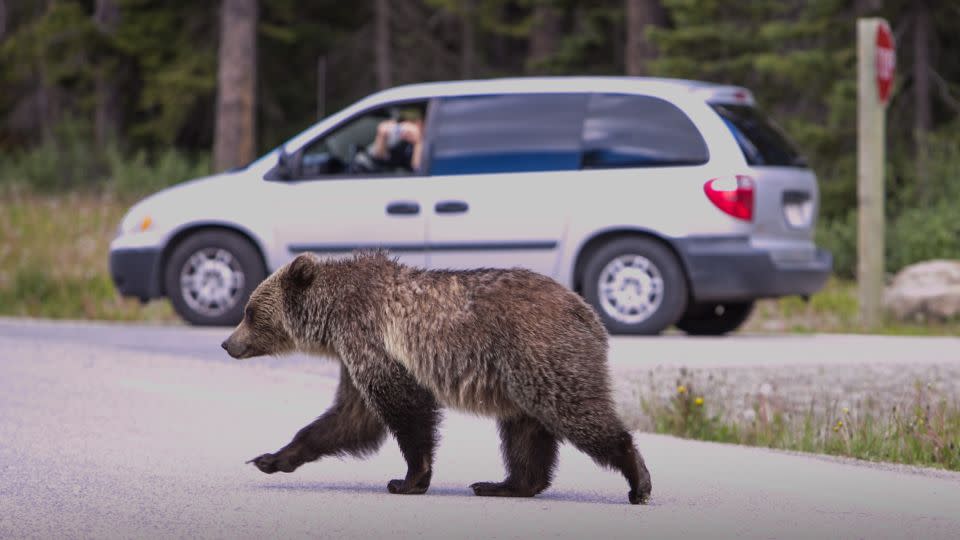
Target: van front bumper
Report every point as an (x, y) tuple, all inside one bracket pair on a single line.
[(730, 269), (136, 272)]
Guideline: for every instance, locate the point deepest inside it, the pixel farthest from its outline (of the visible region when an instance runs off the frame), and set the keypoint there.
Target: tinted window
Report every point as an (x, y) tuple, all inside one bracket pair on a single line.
[(761, 141), (508, 133), (639, 131)]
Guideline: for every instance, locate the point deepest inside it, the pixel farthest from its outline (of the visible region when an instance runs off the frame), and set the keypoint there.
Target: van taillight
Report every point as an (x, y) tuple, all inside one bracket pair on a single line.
[(733, 195)]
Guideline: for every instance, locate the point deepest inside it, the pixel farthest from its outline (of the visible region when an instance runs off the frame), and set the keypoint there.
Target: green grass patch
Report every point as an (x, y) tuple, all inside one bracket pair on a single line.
[(53, 258), (923, 430), (835, 309)]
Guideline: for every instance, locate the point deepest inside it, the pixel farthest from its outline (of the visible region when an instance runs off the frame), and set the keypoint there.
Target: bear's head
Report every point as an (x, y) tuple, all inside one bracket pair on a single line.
[(278, 313)]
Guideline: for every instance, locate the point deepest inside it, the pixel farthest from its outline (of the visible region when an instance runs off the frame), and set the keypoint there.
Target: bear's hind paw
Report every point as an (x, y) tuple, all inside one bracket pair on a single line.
[(638, 498)]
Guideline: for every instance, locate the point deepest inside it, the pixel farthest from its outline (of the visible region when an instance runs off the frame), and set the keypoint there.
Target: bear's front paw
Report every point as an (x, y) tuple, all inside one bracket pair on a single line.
[(402, 487), (271, 463)]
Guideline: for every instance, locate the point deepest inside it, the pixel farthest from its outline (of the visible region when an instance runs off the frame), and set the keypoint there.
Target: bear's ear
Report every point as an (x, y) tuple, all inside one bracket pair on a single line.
[(302, 271)]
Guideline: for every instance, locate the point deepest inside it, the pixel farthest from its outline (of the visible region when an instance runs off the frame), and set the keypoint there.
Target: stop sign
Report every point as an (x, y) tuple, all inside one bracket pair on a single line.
[(886, 62)]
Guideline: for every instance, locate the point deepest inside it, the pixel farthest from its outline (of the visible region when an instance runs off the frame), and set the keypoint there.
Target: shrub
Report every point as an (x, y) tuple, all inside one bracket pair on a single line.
[(137, 175), (839, 236), (57, 168), (921, 234), (918, 234)]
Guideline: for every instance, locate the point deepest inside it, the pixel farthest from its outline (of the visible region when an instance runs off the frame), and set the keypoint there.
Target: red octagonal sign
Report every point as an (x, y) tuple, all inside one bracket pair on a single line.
[(886, 62)]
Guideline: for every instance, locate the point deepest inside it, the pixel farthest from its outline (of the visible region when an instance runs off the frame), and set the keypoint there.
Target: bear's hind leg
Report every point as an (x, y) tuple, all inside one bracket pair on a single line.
[(348, 427), (616, 451), (530, 454)]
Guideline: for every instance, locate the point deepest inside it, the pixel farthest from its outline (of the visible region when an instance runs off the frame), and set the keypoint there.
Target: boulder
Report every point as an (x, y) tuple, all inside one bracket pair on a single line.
[(925, 291)]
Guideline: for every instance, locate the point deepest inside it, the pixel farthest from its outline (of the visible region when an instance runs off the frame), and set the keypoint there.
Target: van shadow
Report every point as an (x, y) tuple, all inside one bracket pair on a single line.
[(354, 488)]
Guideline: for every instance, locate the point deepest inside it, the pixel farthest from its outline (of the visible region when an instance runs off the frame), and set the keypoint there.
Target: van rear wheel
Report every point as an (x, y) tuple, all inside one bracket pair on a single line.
[(715, 319), (636, 285)]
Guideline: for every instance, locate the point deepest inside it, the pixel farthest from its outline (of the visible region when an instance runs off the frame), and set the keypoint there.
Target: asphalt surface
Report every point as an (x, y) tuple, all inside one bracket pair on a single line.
[(112, 431)]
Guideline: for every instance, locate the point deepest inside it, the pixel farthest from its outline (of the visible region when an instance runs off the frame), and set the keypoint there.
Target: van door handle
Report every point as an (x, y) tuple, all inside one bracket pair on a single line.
[(451, 207), (403, 208)]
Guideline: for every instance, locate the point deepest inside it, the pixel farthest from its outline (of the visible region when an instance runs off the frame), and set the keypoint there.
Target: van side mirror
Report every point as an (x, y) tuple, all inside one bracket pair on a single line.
[(284, 169)]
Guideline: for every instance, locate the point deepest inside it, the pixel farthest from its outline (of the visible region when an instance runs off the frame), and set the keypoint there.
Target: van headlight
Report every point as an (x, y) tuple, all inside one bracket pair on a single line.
[(135, 222)]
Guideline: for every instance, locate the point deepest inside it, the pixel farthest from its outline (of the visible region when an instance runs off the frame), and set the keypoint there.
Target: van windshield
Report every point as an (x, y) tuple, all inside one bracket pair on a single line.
[(762, 142)]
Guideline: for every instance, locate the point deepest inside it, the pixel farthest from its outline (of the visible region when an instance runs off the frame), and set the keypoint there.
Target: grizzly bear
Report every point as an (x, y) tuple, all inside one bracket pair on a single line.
[(511, 344)]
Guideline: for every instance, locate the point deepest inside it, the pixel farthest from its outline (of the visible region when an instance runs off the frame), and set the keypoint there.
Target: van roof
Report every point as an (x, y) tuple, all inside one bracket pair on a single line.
[(710, 92)]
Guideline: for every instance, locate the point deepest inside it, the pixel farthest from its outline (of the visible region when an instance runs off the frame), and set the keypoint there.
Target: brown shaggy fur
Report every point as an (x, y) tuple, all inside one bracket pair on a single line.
[(510, 344)]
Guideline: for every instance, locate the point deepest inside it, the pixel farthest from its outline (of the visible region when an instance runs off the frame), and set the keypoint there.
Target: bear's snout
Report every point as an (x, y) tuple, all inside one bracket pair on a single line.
[(233, 349)]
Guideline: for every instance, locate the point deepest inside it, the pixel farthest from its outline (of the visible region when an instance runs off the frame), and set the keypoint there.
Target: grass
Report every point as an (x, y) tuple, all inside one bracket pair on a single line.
[(53, 258), (833, 310), (923, 429)]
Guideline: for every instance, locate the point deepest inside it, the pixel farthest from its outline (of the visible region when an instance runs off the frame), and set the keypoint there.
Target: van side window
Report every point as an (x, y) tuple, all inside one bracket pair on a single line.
[(639, 131), (381, 142), (507, 133)]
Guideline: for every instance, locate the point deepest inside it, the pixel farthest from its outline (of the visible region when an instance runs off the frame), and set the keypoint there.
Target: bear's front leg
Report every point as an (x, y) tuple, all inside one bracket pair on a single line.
[(415, 431), (409, 411), (348, 427)]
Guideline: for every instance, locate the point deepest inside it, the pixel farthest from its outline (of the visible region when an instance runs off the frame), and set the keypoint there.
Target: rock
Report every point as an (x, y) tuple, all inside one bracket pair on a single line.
[(923, 291)]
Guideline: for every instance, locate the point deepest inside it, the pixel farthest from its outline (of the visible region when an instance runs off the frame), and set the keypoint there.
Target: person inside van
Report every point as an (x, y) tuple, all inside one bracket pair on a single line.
[(399, 142)]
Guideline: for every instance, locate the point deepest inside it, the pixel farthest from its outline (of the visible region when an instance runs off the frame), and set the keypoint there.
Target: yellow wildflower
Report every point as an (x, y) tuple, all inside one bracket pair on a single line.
[(681, 389), (698, 401)]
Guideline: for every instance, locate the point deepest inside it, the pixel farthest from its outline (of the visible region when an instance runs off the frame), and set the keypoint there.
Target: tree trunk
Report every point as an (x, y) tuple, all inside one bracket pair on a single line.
[(382, 51), (863, 8), (235, 130), (3, 18), (468, 44), (922, 118), (641, 14), (107, 113), (544, 37)]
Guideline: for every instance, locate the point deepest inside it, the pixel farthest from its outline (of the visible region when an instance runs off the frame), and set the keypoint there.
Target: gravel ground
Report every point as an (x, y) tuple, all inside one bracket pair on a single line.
[(822, 389), (819, 374)]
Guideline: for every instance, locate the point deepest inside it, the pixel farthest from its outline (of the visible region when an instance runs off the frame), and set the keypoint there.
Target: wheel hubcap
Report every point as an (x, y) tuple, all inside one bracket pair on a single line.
[(211, 281), (631, 288)]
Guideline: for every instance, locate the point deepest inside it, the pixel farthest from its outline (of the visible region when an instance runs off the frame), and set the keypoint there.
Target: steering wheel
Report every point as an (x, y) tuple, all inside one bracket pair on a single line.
[(360, 161)]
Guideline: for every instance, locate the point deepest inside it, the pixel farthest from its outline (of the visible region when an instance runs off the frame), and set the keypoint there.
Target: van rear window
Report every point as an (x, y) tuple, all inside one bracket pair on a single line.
[(761, 141)]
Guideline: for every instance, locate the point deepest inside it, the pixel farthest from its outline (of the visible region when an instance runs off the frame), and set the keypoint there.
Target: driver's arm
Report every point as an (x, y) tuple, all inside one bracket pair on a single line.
[(380, 150)]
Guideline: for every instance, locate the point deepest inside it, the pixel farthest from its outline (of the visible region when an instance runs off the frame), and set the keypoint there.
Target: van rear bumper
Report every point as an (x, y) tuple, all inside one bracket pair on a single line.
[(727, 269)]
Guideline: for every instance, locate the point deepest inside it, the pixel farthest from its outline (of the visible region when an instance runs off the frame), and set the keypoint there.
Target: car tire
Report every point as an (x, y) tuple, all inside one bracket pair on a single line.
[(715, 319), (636, 285), (210, 275)]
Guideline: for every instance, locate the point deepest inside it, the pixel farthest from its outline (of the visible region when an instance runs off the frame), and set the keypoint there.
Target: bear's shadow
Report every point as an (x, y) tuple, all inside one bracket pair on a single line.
[(442, 491)]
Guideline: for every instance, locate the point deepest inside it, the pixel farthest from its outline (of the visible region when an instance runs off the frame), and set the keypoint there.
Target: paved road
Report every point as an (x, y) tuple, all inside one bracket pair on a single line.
[(124, 431)]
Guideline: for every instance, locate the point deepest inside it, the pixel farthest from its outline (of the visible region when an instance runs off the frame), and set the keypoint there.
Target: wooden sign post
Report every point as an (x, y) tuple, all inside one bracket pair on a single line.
[(876, 62)]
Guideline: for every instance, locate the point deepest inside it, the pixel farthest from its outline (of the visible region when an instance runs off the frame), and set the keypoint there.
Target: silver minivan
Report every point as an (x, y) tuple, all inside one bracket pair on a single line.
[(663, 202)]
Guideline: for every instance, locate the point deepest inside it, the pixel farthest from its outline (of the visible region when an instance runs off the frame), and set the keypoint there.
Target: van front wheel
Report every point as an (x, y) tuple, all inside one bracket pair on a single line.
[(210, 275), (636, 285)]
